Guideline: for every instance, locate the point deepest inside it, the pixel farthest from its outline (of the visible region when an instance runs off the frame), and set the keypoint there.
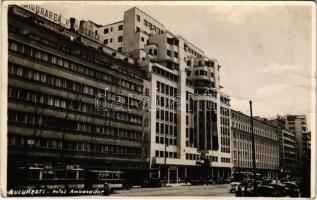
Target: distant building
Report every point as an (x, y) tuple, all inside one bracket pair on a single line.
[(306, 143), (287, 148), (297, 125), (266, 145)]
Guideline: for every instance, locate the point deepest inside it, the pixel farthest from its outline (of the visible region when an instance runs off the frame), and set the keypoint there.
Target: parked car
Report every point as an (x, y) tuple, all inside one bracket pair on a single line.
[(153, 182), (292, 189), (219, 181), (228, 180), (266, 181), (264, 191), (279, 190), (198, 181), (211, 182), (234, 187)]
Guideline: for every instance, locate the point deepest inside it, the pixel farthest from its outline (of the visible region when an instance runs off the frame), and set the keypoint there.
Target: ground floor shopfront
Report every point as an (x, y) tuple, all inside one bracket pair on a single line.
[(177, 174)]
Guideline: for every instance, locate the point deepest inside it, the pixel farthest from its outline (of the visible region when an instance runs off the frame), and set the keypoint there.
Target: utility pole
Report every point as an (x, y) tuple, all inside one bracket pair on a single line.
[(253, 149), (165, 168)]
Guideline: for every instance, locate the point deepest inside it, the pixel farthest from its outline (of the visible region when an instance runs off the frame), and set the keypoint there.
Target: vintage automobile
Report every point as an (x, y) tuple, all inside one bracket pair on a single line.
[(292, 189), (234, 187)]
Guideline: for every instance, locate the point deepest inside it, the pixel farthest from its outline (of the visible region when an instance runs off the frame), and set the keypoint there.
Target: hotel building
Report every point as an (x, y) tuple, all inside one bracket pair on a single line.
[(55, 71), (190, 116), (266, 145)]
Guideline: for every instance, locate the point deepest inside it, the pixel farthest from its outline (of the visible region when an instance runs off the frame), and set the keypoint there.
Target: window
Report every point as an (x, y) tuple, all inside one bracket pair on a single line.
[(168, 52), (142, 39), (137, 29), (120, 27), (111, 29), (110, 40), (120, 49), (138, 18), (120, 39), (176, 54), (145, 23), (105, 41), (105, 31)]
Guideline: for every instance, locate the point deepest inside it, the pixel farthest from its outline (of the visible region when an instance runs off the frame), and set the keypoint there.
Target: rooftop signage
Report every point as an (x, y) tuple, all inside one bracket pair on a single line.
[(85, 28), (47, 14)]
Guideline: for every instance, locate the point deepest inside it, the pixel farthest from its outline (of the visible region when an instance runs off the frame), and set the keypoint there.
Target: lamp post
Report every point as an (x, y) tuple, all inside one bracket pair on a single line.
[(253, 149)]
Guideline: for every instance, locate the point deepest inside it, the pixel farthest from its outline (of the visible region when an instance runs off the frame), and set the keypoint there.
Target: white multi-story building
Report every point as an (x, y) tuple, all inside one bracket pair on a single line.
[(266, 145), (190, 116)]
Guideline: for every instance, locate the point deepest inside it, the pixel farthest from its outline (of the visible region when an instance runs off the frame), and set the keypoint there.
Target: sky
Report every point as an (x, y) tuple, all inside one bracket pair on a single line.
[(265, 51)]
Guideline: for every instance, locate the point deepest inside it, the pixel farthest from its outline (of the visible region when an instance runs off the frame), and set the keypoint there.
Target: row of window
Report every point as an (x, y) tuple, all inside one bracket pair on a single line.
[(166, 89), (35, 75), (164, 73), (205, 63), (168, 53), (71, 125), (167, 154), (267, 133), (60, 45), (162, 128), (73, 66), (202, 73), (110, 29), (168, 141), (166, 116), (225, 160), (72, 145), (224, 121), (165, 102), (150, 25), (225, 141), (225, 131), (224, 111), (225, 149), (193, 52), (153, 52), (106, 41), (224, 100), (55, 101)]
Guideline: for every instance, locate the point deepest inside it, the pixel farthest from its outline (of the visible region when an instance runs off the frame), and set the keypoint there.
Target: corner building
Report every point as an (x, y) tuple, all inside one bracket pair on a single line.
[(267, 145), (55, 71), (190, 116)]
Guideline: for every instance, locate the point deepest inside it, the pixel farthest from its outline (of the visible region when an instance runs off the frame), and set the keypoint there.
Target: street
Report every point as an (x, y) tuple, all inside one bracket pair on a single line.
[(179, 190)]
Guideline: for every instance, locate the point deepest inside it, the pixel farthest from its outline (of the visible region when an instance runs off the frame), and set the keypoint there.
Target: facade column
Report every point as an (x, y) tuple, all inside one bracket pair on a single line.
[(168, 175), (177, 178)]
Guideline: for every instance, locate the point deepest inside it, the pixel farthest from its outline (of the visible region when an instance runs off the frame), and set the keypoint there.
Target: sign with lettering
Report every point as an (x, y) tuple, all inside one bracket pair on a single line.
[(43, 12), (85, 28)]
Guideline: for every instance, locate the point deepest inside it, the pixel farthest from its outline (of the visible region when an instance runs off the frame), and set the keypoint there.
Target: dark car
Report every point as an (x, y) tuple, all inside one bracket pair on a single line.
[(292, 189), (279, 190), (228, 180), (211, 182), (219, 181), (264, 191), (266, 181), (234, 187), (198, 181), (153, 182)]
